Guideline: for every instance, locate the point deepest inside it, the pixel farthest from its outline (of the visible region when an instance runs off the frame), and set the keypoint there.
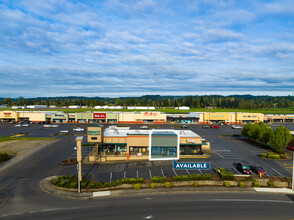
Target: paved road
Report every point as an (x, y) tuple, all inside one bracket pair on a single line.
[(162, 206)]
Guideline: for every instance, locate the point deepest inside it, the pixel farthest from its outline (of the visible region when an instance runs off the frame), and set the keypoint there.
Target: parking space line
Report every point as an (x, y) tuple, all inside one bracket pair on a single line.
[(110, 179), (200, 171), (137, 174), (4, 186), (220, 155), (150, 174), (125, 174), (237, 170), (175, 172), (162, 172), (188, 172), (277, 172)]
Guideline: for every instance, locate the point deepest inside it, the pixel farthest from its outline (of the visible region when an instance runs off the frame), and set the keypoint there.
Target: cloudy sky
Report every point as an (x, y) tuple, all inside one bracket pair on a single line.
[(125, 47)]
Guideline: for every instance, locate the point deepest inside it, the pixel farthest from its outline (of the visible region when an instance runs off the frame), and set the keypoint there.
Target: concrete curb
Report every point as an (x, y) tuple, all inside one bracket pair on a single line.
[(46, 186)]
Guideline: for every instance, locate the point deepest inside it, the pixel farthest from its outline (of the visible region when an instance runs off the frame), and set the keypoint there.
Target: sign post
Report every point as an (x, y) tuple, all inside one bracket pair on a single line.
[(79, 140), (79, 183)]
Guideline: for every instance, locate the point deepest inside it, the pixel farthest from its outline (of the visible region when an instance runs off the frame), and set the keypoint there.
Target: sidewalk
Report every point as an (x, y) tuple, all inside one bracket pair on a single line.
[(48, 188)]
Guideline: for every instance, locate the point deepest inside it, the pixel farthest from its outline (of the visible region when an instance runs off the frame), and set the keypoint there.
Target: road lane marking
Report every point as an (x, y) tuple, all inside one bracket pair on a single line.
[(4, 186), (277, 172), (150, 174)]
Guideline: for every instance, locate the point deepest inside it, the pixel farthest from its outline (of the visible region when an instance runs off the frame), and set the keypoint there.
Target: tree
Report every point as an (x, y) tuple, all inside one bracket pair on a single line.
[(280, 138)]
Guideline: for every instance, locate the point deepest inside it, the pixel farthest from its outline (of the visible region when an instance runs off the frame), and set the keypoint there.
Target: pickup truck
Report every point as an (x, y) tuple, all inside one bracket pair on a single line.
[(78, 129)]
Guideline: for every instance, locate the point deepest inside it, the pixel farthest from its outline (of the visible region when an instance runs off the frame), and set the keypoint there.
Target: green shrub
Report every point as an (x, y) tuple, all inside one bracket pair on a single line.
[(195, 184), (107, 184), (279, 151), (283, 156), (158, 179), (273, 156), (153, 185), (270, 153), (55, 182), (227, 184), (92, 185), (132, 180), (84, 185), (256, 184), (225, 175), (98, 185), (263, 155), (241, 184), (167, 184), (270, 184), (73, 185), (222, 169), (216, 170), (137, 186), (61, 183), (206, 176), (116, 183), (4, 157)]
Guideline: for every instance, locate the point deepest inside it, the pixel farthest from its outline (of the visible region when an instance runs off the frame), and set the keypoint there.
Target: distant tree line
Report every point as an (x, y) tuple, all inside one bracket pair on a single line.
[(277, 139), (237, 101)]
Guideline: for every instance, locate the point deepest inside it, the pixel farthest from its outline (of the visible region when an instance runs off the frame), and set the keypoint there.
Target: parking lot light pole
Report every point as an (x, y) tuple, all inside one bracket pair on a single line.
[(68, 159)]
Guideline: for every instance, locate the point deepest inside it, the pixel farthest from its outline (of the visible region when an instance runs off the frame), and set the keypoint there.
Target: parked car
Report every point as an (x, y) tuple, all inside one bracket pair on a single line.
[(244, 167), (54, 126), (17, 125), (237, 127), (47, 126), (184, 126), (258, 169), (215, 126), (144, 127), (206, 127), (78, 129), (64, 131), (25, 125), (290, 147)]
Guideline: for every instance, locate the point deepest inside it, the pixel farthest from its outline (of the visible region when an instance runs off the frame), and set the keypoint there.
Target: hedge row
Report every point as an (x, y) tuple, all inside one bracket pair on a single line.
[(191, 177), (72, 182), (158, 179), (271, 155)]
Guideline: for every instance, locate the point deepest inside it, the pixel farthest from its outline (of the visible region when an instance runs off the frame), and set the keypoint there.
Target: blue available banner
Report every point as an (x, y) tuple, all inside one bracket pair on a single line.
[(191, 166)]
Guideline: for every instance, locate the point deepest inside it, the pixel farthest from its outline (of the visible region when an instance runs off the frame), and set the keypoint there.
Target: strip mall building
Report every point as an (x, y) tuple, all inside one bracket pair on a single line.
[(146, 117), (123, 143)]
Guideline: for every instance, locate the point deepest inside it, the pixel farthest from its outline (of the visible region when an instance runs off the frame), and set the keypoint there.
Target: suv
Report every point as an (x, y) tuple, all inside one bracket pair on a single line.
[(244, 167)]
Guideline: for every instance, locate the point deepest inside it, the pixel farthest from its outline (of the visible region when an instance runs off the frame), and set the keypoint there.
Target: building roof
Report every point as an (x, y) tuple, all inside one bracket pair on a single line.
[(114, 131)]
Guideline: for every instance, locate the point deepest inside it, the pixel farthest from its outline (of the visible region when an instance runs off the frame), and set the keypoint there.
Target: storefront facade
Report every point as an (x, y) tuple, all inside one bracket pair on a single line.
[(142, 117), (244, 118), (278, 118), (218, 117), (8, 116)]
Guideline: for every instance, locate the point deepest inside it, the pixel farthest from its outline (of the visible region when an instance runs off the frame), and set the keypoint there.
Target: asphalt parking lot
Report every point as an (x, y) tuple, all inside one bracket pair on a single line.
[(228, 150)]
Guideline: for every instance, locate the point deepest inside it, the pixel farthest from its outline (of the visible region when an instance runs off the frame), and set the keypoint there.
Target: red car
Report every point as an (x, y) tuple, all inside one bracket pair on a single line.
[(258, 169), (214, 126), (290, 147)]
